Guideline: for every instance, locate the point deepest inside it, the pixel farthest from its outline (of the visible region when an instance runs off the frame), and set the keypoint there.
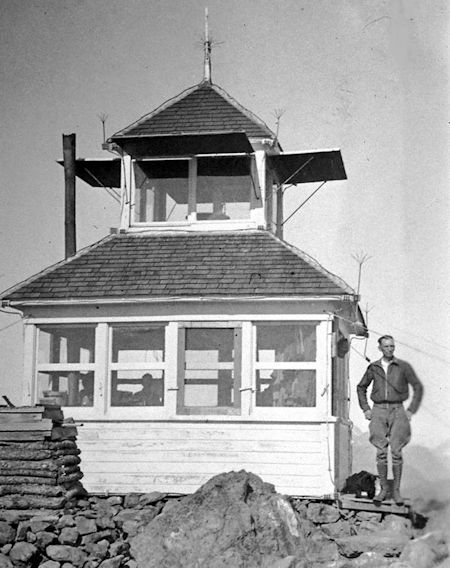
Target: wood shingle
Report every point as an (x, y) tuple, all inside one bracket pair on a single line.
[(165, 265), (205, 108)]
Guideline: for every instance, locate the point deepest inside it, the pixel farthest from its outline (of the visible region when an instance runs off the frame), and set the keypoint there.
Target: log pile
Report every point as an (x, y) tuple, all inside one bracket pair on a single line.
[(39, 459)]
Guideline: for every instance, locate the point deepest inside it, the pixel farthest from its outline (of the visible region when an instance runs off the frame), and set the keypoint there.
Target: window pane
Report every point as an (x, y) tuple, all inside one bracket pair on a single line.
[(66, 344), (224, 188), (278, 342), (66, 388), (138, 344), (161, 190), (209, 379), (134, 388), (286, 388)]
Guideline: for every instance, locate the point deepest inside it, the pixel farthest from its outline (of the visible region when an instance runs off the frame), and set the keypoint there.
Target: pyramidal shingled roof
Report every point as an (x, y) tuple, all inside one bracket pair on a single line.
[(167, 265), (202, 109)]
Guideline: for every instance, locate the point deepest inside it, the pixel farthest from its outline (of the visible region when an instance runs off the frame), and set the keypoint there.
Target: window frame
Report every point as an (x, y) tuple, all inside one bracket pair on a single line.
[(323, 385), (236, 409), (48, 368), (102, 411), (129, 366), (254, 193)]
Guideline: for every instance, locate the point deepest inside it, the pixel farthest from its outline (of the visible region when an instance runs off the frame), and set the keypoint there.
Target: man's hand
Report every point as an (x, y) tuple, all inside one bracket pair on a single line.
[(409, 415), (368, 414)]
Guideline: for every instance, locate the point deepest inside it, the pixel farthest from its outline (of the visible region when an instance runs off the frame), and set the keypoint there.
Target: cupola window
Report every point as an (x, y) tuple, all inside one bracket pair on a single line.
[(161, 190), (203, 188)]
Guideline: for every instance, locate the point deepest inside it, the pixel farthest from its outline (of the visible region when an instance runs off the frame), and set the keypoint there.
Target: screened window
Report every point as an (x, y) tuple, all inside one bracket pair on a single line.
[(210, 370), (137, 365), (286, 364), (203, 188), (65, 365), (224, 186), (161, 190)]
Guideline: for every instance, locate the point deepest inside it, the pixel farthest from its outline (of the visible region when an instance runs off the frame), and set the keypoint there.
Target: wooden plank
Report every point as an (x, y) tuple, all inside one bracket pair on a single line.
[(132, 468), (201, 445), (202, 425), (19, 472), (219, 432), (187, 483), (20, 417), (31, 435), (44, 425), (29, 446), (34, 489), (17, 453), (15, 479), (142, 455), (22, 409), (40, 465), (369, 505), (31, 501)]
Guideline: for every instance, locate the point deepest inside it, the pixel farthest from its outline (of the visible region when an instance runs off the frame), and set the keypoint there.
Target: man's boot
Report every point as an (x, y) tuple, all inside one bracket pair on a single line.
[(382, 472), (397, 472)]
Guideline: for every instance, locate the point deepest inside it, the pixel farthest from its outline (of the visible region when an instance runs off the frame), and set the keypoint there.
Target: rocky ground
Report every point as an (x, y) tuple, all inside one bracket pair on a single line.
[(234, 520)]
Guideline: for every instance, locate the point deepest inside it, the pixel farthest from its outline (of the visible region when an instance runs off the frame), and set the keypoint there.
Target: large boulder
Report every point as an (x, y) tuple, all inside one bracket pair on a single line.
[(426, 551), (235, 519)]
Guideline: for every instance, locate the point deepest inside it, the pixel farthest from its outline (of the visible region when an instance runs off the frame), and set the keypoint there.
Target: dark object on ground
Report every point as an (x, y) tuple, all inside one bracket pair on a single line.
[(361, 482), (8, 402)]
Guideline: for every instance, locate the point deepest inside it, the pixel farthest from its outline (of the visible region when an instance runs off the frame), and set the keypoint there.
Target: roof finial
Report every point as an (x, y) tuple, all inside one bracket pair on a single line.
[(207, 51)]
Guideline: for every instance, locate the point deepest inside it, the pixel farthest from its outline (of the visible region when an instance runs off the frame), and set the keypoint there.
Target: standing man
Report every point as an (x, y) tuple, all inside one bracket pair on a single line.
[(389, 421)]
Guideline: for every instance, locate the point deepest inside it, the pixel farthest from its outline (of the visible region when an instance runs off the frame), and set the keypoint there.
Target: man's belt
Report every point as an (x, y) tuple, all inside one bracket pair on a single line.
[(388, 404)]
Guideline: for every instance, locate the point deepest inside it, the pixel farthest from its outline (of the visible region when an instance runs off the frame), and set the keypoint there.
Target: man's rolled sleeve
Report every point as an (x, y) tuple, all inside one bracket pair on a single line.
[(417, 387), (361, 389)]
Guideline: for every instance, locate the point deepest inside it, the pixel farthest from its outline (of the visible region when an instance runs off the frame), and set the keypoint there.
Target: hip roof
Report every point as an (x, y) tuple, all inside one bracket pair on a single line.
[(166, 265), (204, 108)]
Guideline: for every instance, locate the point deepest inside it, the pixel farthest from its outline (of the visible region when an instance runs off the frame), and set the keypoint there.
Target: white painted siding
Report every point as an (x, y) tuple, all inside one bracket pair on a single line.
[(178, 457)]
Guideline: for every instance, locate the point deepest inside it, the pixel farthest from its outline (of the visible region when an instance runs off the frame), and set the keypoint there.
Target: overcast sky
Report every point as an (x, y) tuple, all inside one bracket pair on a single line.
[(367, 76)]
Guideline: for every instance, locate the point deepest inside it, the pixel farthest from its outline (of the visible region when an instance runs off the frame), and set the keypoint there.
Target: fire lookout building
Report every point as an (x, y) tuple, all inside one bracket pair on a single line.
[(193, 339)]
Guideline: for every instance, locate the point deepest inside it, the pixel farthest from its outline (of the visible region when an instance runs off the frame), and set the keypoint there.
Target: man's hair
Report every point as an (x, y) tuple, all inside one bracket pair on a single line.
[(380, 339)]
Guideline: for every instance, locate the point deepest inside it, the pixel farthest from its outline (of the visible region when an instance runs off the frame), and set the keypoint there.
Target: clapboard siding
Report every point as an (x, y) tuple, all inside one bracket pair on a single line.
[(175, 457), (200, 430), (200, 456), (226, 446)]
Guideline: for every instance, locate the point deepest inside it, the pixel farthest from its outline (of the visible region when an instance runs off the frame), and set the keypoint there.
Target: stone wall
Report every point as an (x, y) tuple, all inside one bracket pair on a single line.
[(107, 532)]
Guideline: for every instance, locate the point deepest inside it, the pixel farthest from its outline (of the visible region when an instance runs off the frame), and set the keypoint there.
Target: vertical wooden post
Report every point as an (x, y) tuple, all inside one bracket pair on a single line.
[(192, 190), (269, 201), (128, 186), (279, 231), (69, 204)]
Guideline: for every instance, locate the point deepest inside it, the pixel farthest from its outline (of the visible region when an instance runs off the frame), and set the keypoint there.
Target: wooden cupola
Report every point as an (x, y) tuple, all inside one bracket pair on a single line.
[(202, 161)]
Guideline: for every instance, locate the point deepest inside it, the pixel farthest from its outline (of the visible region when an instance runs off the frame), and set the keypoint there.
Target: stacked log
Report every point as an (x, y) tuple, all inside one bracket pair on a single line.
[(39, 458)]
